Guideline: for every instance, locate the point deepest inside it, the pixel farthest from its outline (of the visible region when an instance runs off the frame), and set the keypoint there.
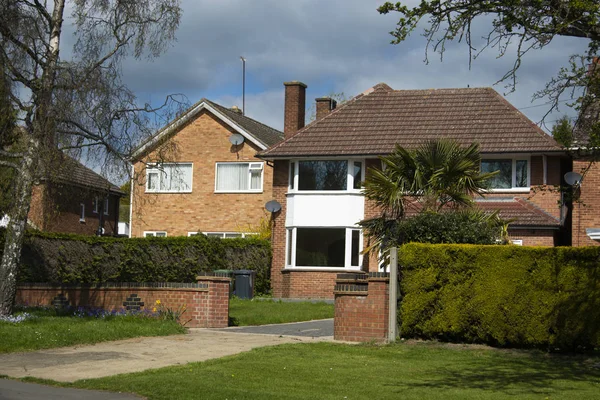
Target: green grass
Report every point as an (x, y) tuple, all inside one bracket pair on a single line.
[(48, 330), (264, 312), (336, 371)]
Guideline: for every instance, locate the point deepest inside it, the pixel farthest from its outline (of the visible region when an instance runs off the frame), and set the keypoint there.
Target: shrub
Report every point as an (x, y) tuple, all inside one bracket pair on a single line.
[(501, 295), (66, 258), (466, 226)]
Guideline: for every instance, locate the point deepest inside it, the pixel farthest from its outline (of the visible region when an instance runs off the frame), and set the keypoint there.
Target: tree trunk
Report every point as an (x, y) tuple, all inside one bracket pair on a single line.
[(41, 138), (15, 231)]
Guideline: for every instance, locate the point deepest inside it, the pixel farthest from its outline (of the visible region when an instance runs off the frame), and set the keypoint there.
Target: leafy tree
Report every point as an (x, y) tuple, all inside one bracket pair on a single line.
[(562, 131), (76, 105), (439, 175), (515, 24)]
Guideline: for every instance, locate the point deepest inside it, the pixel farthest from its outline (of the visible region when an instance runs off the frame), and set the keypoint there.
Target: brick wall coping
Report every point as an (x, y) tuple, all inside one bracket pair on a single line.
[(348, 289), (213, 277), (118, 285)]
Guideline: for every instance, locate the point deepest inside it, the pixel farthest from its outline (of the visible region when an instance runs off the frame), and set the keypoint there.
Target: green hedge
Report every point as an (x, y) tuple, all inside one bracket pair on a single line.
[(501, 295), (64, 258)]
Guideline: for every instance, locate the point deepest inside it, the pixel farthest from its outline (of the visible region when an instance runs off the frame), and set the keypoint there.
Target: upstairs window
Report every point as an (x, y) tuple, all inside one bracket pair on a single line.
[(239, 177), (326, 175), (169, 178), (97, 203), (513, 173)]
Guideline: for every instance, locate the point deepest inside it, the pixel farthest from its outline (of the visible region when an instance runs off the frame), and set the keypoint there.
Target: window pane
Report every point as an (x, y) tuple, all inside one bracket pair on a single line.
[(181, 177), (233, 235), (152, 180), (503, 180), (163, 179), (232, 177), (355, 248), (320, 247), (357, 175), (161, 234), (219, 235), (522, 173), (292, 172), (256, 179), (289, 247), (323, 175)]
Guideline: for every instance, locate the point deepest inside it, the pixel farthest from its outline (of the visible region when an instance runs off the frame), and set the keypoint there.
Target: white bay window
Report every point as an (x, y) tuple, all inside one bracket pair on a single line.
[(317, 247), (326, 175), (239, 177)]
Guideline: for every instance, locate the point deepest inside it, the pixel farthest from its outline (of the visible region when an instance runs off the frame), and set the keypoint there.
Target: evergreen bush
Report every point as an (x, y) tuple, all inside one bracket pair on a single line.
[(501, 295), (67, 259)]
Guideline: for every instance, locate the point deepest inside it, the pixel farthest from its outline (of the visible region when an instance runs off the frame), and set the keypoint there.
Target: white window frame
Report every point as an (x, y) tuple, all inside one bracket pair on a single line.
[(154, 233), (105, 205), (347, 250), (295, 165), (250, 169), (82, 212), (224, 234), (157, 169), (514, 158)]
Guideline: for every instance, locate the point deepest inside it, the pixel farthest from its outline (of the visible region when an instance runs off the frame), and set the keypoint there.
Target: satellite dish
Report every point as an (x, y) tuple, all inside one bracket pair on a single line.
[(573, 178), (273, 206), (236, 139)]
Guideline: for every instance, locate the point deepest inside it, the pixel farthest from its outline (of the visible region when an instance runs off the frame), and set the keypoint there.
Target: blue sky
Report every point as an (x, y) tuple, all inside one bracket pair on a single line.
[(332, 46)]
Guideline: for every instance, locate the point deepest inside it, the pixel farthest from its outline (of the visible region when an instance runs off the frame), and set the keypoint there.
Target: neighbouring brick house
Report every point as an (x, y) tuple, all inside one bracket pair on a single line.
[(318, 170), (200, 174), (74, 199)]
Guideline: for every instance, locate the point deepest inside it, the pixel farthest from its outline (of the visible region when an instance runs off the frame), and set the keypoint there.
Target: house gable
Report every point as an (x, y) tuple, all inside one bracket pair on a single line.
[(256, 133)]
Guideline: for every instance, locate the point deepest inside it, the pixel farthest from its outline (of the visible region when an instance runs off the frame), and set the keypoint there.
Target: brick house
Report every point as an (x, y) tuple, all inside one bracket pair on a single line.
[(318, 170), (200, 174), (74, 199)]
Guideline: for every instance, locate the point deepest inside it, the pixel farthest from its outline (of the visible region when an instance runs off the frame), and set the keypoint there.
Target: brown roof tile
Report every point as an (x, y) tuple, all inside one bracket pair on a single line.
[(375, 121), (524, 213)]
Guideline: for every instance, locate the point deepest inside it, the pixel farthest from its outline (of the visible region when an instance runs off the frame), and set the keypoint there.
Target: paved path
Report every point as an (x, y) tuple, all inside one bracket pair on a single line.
[(321, 328), (15, 390), (68, 364)]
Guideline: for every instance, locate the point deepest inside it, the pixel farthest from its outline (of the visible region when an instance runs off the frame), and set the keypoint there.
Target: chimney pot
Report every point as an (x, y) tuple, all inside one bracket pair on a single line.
[(295, 104), (324, 106)]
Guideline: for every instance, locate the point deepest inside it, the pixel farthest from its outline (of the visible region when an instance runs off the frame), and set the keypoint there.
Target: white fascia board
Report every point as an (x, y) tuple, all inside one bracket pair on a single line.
[(185, 118)]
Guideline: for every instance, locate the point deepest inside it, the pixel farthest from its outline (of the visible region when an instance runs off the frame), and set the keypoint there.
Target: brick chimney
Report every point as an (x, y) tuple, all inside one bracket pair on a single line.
[(324, 106), (295, 103)]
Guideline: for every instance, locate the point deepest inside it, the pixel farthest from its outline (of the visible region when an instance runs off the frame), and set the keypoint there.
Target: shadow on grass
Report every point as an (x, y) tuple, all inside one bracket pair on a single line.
[(519, 374)]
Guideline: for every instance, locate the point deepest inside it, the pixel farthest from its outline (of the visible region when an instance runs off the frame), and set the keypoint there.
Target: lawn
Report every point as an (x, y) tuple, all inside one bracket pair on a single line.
[(337, 371), (48, 329), (264, 312)]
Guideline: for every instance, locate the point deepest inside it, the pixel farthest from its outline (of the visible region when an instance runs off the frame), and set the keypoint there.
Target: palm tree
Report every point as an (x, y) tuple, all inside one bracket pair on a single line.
[(439, 174)]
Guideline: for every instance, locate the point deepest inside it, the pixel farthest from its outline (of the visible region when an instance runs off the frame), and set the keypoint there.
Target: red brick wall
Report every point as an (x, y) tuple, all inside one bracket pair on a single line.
[(586, 210), (533, 237), (203, 142), (205, 307), (362, 316), (278, 241), (56, 208), (307, 284)]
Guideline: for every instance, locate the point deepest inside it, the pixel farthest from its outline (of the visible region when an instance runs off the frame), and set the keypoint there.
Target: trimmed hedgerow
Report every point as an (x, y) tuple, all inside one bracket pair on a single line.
[(66, 258), (501, 295)]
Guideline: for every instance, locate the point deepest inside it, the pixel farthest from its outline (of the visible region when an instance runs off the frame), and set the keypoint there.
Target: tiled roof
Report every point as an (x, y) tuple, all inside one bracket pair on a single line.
[(521, 212), (264, 134), (524, 213), (73, 172), (372, 123)]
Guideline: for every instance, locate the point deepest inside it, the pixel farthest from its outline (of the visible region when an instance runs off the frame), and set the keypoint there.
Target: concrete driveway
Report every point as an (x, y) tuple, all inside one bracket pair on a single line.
[(68, 364)]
